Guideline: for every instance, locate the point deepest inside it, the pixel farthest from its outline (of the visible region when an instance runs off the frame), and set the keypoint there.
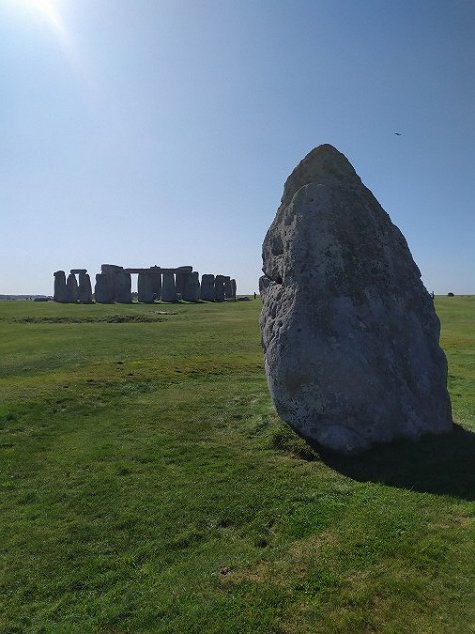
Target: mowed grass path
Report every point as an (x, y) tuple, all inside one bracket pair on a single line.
[(147, 486)]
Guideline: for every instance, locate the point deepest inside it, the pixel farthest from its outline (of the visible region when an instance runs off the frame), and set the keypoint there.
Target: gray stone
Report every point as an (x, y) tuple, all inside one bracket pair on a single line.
[(207, 287), (145, 288), (156, 281), (181, 278), (350, 335), (103, 292), (233, 289), (113, 273), (85, 289), (228, 291), (168, 288), (60, 289), (219, 282), (123, 286), (72, 289), (191, 291)]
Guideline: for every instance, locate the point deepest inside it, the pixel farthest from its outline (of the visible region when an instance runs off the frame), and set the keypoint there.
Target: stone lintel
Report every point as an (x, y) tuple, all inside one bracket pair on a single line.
[(78, 271), (111, 268), (158, 270)]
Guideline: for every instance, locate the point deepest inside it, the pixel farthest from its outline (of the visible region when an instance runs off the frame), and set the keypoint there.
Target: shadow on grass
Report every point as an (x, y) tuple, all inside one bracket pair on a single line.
[(444, 465)]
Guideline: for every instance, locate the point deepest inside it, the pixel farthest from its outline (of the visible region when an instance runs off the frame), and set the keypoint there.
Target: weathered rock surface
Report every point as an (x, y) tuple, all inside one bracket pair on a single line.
[(233, 289), (219, 282), (228, 290), (191, 290), (60, 289), (349, 332), (168, 288), (145, 288), (103, 292), (72, 288), (207, 287), (123, 288), (85, 289)]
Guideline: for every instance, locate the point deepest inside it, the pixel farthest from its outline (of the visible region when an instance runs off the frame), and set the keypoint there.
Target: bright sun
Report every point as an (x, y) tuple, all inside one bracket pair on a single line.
[(48, 9)]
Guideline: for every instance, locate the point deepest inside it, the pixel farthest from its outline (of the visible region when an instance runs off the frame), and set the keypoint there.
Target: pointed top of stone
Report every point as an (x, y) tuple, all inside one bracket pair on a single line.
[(324, 164)]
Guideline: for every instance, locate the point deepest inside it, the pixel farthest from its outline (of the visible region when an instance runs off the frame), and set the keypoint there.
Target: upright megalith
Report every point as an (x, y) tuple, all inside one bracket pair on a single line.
[(191, 291), (350, 335), (145, 288), (123, 287), (156, 274), (103, 291), (207, 287), (233, 289), (228, 289), (219, 282), (72, 289), (60, 289), (168, 287), (85, 289)]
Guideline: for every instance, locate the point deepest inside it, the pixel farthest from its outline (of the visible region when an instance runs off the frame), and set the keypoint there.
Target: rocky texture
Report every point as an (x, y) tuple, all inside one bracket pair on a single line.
[(145, 288), (219, 282), (60, 289), (181, 280), (85, 289), (168, 288), (191, 291), (233, 289), (103, 292), (72, 289), (228, 290), (207, 287), (123, 288), (349, 332)]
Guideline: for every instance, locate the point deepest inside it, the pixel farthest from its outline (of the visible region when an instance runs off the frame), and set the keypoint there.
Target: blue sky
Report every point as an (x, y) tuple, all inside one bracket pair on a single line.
[(143, 132)]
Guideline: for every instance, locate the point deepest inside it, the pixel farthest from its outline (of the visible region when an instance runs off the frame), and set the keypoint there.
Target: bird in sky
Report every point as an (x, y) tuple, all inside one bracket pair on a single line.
[(398, 133)]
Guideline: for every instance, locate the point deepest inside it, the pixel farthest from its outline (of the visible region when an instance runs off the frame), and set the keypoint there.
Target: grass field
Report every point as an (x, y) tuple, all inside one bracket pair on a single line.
[(147, 486)]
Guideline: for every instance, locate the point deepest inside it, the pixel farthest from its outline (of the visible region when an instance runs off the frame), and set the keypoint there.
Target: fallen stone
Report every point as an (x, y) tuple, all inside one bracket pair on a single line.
[(350, 335)]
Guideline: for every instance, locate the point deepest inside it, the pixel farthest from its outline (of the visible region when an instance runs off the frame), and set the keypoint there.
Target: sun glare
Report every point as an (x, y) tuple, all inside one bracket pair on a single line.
[(50, 12)]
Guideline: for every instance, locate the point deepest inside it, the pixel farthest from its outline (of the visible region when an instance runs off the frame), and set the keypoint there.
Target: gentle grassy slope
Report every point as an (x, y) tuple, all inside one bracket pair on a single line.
[(146, 486)]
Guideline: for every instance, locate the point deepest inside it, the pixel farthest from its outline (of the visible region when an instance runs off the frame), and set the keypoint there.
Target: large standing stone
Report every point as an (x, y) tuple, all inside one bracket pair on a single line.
[(103, 292), (191, 291), (168, 288), (181, 278), (85, 289), (228, 289), (123, 288), (349, 332), (233, 289), (72, 289), (207, 287), (156, 281), (60, 289), (219, 282), (145, 288)]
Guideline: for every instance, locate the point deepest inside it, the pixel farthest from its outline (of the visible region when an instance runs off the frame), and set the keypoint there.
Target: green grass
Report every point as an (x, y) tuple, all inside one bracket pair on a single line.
[(147, 486)]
